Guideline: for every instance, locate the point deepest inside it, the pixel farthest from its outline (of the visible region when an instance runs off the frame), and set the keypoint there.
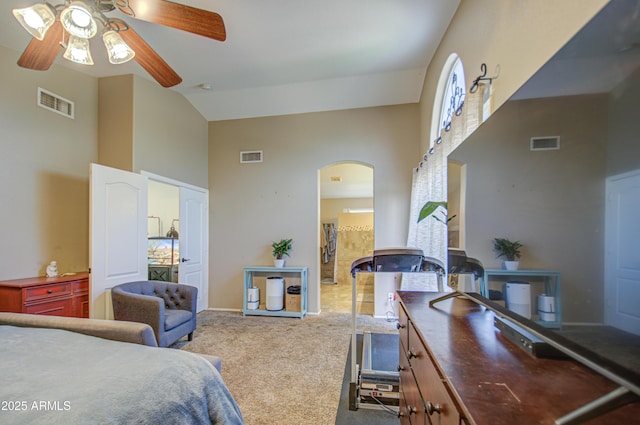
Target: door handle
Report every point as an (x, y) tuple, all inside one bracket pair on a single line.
[(184, 260)]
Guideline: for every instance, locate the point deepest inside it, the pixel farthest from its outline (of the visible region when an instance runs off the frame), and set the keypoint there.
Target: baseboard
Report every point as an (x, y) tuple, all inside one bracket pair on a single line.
[(386, 317), (233, 310), (238, 310), (582, 324)]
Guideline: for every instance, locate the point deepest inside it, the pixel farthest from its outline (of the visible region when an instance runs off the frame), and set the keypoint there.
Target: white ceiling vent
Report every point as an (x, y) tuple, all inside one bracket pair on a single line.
[(548, 143), (55, 103), (248, 157)]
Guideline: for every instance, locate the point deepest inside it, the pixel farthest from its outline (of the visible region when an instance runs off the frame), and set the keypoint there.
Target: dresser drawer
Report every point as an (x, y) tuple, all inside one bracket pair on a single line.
[(80, 286), (47, 291), (62, 307), (403, 329), (438, 404), (81, 305), (411, 405)]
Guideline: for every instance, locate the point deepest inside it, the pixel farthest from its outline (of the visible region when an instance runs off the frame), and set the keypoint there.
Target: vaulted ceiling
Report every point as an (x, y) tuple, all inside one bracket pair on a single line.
[(284, 56)]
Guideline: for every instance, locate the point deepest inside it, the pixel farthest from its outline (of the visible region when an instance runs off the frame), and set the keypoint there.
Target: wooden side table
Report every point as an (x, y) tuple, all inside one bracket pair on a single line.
[(251, 272)]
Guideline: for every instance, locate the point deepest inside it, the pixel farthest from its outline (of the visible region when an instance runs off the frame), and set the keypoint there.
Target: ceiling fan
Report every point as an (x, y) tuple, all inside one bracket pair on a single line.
[(70, 25)]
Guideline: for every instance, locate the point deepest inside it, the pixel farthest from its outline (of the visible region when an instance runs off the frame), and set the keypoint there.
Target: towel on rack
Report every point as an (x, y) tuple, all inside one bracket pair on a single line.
[(328, 240)]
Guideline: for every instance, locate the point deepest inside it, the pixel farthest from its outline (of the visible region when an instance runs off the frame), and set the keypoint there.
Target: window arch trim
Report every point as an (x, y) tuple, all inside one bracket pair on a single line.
[(449, 96)]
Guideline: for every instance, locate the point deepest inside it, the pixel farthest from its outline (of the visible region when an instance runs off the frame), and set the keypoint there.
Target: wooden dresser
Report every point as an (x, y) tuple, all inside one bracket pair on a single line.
[(457, 368), (56, 296)]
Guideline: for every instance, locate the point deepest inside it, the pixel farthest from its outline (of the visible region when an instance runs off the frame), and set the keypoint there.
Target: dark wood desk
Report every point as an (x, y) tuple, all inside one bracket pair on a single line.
[(454, 360)]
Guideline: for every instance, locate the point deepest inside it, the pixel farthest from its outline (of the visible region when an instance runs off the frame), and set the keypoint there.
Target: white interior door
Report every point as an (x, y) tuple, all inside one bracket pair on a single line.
[(194, 242), (118, 233), (622, 254)]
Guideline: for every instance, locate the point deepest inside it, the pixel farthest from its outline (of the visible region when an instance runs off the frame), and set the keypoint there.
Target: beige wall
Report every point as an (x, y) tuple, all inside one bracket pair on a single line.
[(517, 36), (330, 208), (455, 205), (44, 169), (164, 203), (551, 201), (46, 157), (146, 127), (115, 126), (623, 153), (170, 135), (255, 204)]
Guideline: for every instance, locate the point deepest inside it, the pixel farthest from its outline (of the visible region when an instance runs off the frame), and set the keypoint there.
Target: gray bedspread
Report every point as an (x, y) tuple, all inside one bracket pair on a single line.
[(51, 376)]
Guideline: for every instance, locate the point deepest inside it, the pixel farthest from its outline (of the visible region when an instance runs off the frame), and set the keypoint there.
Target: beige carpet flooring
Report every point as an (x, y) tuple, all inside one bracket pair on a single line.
[(282, 370)]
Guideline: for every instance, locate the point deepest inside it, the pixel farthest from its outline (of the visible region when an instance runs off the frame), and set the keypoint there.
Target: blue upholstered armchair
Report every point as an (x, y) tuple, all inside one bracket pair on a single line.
[(169, 308)]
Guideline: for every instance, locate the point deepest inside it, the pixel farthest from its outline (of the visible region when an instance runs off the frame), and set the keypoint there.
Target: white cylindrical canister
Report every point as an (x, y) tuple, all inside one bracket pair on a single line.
[(253, 298), (546, 303), (275, 293), (518, 298), (547, 308), (547, 317)]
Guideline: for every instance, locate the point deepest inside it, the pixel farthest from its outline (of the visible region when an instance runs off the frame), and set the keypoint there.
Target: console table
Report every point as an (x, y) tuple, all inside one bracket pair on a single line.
[(56, 296), (297, 273), (456, 368), (551, 280)]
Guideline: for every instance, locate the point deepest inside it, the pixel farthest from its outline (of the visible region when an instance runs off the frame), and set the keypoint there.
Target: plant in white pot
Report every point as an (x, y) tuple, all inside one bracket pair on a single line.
[(510, 250), (280, 250)]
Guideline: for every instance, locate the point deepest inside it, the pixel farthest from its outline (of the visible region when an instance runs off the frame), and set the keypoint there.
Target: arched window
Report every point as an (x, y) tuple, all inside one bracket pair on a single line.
[(449, 96)]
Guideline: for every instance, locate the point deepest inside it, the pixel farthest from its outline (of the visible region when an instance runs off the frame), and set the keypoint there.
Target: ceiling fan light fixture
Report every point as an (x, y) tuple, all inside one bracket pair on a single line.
[(36, 19), (83, 19), (78, 51), (77, 19), (118, 51)]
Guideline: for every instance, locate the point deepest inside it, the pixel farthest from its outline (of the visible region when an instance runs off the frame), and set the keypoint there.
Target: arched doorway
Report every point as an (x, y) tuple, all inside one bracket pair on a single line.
[(346, 233)]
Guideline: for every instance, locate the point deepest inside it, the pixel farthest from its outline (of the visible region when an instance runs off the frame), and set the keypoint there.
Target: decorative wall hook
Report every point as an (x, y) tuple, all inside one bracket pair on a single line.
[(482, 77)]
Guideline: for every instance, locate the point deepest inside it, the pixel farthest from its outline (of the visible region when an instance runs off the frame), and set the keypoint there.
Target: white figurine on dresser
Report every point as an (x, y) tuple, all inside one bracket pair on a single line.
[(52, 269)]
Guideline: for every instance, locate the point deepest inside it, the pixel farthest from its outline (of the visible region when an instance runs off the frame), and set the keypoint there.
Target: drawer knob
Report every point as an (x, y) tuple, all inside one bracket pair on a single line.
[(411, 410), (411, 355), (49, 291), (400, 325), (432, 408), (400, 368)]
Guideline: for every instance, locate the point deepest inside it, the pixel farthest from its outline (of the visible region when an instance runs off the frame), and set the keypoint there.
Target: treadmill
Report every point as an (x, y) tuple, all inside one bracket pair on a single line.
[(375, 381)]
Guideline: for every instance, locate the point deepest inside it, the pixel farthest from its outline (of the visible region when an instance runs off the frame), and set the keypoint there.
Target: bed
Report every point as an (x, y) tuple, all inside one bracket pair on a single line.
[(55, 376)]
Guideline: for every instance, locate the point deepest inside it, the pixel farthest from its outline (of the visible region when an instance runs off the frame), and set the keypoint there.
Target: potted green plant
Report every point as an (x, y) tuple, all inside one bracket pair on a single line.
[(280, 250), (510, 250)]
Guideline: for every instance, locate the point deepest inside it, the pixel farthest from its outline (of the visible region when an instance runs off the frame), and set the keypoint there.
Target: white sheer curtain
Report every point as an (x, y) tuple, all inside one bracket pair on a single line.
[(430, 184)]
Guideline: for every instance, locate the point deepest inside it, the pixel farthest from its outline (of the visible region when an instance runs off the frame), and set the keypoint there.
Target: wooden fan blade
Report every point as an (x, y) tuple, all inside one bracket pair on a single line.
[(150, 60), (174, 15), (40, 54)]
